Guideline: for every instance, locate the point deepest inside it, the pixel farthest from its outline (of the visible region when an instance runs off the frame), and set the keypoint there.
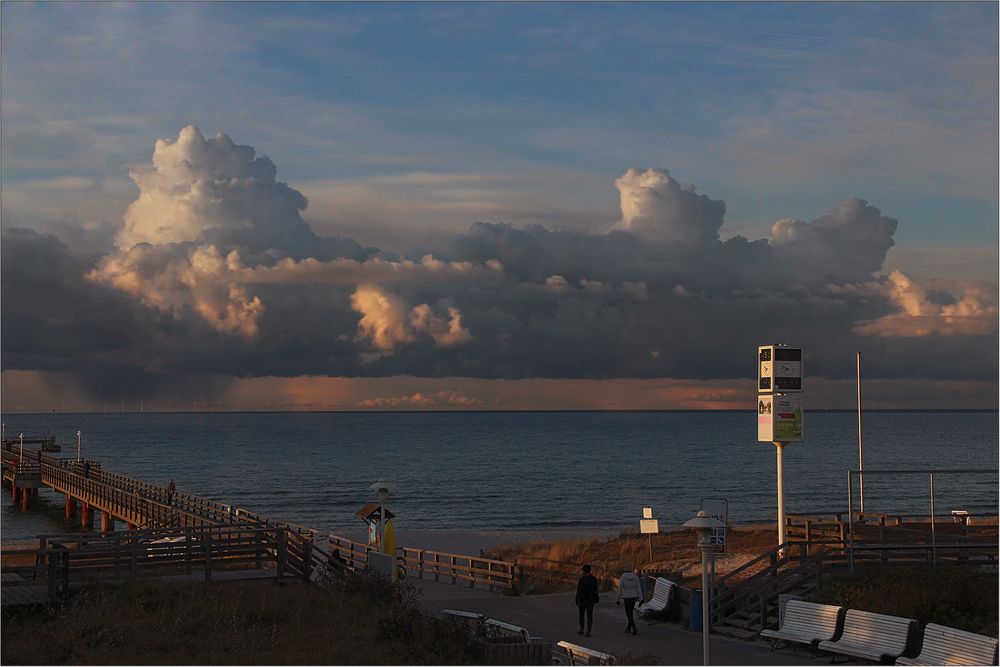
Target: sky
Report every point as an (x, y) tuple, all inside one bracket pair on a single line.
[(496, 206)]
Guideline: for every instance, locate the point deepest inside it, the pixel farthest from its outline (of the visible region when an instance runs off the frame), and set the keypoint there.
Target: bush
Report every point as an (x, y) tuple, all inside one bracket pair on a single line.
[(958, 597)]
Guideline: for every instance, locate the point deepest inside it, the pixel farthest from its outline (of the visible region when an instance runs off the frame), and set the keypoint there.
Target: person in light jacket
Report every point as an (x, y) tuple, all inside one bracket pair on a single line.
[(630, 591)]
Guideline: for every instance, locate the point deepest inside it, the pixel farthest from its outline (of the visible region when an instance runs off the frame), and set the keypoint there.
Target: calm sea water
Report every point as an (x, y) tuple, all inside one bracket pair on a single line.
[(516, 471)]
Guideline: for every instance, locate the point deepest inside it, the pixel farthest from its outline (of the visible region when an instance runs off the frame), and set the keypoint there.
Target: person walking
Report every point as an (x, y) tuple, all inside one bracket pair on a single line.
[(630, 591), (586, 598), (170, 492)]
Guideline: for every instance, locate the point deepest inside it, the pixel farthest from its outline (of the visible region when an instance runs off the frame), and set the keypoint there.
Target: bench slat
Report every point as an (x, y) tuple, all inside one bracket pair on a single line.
[(950, 646)]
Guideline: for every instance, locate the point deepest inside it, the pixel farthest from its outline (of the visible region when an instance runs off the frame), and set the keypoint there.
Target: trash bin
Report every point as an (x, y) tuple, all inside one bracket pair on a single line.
[(695, 621)]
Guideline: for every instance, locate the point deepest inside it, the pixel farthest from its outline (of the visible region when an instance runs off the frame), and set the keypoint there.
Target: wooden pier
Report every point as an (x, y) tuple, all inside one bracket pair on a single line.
[(187, 535)]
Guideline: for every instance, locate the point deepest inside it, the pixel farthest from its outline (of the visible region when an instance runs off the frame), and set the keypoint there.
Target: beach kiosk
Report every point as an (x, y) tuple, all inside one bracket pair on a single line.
[(381, 531)]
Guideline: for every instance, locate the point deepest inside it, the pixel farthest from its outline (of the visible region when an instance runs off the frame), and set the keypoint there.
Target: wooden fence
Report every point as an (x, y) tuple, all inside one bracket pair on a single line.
[(159, 552), (459, 568)]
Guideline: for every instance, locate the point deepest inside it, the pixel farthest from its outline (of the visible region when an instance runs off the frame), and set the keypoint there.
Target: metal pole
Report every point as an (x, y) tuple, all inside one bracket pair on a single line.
[(933, 535), (650, 548), (704, 606), (78, 438), (20, 456), (781, 493), (850, 522), (861, 464)]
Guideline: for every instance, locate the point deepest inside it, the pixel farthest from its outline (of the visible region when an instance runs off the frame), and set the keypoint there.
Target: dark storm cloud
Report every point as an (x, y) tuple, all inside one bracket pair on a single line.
[(215, 272)]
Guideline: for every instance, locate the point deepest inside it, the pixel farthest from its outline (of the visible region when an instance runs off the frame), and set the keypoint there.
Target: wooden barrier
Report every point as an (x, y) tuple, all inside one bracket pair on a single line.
[(459, 568), (157, 552)]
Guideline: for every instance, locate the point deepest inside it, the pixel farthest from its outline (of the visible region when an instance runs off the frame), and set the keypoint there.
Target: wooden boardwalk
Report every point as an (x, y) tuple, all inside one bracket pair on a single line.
[(185, 535)]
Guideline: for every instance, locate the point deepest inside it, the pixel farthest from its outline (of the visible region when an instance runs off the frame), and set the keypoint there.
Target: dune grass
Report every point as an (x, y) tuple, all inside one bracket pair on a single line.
[(956, 596), (365, 621)]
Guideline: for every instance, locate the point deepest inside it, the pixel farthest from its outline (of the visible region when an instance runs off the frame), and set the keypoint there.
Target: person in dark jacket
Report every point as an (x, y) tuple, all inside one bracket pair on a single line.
[(586, 598)]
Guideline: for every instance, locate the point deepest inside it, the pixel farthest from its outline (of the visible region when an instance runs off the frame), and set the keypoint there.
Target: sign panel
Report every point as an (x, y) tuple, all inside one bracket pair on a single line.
[(647, 512), (649, 526), (716, 541), (717, 508), (779, 418), (779, 368)]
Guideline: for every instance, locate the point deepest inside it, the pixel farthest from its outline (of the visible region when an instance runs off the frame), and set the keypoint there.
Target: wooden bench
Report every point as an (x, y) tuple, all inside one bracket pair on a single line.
[(573, 654), (497, 628), (947, 646), (871, 636), (805, 623), (662, 592)]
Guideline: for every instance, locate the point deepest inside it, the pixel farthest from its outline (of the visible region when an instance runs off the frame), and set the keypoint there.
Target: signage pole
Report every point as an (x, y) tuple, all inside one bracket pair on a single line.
[(780, 446), (861, 464), (704, 605), (650, 549)]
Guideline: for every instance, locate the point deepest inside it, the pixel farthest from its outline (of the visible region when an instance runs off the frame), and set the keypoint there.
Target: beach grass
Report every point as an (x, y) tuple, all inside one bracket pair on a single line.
[(957, 596), (365, 620)]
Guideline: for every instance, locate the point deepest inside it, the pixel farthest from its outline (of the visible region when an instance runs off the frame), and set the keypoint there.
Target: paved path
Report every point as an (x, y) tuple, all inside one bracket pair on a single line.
[(554, 618)]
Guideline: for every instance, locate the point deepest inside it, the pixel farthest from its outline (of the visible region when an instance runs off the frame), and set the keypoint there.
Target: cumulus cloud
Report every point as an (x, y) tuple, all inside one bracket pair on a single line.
[(657, 207), (216, 272), (438, 399), (387, 320), (848, 243), (971, 313)]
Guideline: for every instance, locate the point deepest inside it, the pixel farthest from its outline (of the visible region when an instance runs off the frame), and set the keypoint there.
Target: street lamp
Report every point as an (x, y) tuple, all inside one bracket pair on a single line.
[(703, 523)]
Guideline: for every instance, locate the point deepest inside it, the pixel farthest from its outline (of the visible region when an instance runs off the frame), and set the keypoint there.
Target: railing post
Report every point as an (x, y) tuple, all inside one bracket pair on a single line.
[(306, 559), (454, 570), (188, 548), (282, 551), (420, 563), (207, 537), (774, 562), (134, 557), (437, 567)]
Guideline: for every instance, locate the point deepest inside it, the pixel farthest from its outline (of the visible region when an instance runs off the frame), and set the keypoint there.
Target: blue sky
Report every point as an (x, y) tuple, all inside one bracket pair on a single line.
[(780, 109)]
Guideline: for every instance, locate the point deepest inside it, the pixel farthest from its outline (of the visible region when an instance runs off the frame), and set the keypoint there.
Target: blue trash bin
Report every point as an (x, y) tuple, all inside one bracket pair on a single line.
[(694, 623)]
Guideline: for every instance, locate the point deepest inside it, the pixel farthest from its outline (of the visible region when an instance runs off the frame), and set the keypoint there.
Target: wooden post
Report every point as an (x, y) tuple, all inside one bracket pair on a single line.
[(420, 563), (70, 506), (306, 560), (52, 576), (64, 563), (437, 567), (25, 498), (454, 571), (206, 536), (107, 522), (188, 548), (86, 515), (282, 551), (13, 491)]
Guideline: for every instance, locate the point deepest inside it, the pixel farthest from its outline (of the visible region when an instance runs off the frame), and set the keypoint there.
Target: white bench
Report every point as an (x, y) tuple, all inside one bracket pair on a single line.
[(470, 617), (573, 654), (871, 636), (947, 646), (805, 623), (500, 629), (662, 592)]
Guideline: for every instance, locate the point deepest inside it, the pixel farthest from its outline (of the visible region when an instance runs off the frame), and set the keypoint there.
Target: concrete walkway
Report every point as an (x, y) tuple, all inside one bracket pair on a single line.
[(553, 617)]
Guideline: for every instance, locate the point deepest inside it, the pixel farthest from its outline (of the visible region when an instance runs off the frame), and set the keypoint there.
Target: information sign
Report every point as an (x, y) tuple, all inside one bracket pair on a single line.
[(716, 541), (649, 526), (779, 418)]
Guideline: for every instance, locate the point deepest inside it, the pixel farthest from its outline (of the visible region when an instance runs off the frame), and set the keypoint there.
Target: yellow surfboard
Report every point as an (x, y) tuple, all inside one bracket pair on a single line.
[(389, 545)]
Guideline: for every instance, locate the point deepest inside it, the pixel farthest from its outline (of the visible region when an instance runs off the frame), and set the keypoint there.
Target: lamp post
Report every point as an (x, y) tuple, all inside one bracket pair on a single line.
[(703, 523), (78, 438)]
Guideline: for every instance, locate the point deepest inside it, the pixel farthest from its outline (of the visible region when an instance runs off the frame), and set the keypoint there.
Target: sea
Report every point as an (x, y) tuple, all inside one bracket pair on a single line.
[(547, 472)]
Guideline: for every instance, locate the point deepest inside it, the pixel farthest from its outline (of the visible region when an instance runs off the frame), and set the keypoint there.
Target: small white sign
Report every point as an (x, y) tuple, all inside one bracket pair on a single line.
[(649, 526), (647, 512), (717, 508)]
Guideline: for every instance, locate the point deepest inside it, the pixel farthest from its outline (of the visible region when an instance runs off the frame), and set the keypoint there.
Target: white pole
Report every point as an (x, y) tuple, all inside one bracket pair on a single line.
[(861, 463), (780, 446), (21, 455), (78, 438), (704, 606)]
